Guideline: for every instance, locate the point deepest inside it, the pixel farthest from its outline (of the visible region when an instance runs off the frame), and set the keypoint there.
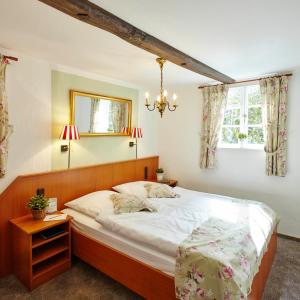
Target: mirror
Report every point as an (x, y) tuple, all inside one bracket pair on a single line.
[(96, 115)]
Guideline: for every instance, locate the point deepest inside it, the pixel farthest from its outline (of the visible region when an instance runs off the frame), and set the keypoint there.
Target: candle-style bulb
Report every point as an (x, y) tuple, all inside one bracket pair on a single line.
[(165, 93), (174, 99), (147, 98)]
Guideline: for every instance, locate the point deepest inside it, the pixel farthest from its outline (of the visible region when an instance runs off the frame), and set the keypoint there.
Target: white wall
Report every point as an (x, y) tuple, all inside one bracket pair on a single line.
[(28, 87), (240, 173)]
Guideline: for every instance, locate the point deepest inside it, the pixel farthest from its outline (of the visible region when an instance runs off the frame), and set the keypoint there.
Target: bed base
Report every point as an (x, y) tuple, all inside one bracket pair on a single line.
[(145, 280)]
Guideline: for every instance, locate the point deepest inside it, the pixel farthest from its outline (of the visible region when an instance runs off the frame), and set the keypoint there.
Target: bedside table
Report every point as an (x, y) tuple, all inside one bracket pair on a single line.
[(170, 182), (36, 259)]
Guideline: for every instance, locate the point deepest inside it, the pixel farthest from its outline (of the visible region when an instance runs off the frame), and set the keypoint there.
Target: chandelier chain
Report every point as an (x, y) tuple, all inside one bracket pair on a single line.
[(161, 80)]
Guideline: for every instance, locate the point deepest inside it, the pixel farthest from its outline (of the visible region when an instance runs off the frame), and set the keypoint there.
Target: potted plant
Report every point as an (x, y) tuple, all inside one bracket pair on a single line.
[(160, 174), (38, 205), (242, 137)]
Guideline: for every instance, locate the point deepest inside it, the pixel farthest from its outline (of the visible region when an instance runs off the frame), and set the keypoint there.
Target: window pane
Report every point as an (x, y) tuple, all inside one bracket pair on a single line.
[(234, 96), (255, 135), (255, 115), (232, 117), (254, 96), (230, 135)]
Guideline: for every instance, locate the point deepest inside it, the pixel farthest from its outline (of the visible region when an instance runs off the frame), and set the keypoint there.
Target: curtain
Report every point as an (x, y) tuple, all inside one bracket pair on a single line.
[(94, 109), (274, 93), (118, 113), (5, 128), (214, 105)]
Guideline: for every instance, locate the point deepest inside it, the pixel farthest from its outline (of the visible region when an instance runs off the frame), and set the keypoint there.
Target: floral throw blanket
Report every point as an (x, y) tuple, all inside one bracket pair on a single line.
[(217, 261)]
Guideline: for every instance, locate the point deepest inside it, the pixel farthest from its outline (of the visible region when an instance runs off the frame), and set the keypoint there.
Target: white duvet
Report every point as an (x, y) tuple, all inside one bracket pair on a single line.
[(178, 217)]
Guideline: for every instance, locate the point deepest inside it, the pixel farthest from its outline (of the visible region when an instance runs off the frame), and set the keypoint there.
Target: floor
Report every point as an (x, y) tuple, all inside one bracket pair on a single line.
[(82, 282)]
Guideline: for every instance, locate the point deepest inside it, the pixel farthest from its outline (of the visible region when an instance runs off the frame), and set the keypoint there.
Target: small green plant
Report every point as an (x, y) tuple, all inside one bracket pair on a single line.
[(37, 202), (160, 170), (242, 136)]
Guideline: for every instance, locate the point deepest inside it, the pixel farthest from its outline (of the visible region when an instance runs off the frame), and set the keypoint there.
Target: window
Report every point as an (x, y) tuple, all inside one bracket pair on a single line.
[(243, 115)]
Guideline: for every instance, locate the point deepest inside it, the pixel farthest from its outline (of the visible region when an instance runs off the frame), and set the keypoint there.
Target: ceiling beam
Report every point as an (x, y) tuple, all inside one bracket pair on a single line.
[(94, 15)]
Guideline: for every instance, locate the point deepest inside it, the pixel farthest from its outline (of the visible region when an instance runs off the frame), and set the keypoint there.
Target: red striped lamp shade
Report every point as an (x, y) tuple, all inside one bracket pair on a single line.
[(125, 130), (136, 132), (69, 132)]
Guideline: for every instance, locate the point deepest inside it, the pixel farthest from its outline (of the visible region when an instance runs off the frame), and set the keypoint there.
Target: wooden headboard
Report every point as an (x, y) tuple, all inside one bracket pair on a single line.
[(65, 185)]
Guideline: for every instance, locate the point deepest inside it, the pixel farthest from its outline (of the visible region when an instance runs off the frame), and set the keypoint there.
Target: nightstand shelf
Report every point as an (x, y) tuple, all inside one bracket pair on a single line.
[(36, 259), (39, 240), (47, 251), (49, 265)]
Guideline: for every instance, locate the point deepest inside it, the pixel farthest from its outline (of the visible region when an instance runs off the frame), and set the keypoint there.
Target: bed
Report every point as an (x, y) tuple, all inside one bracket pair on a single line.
[(147, 265)]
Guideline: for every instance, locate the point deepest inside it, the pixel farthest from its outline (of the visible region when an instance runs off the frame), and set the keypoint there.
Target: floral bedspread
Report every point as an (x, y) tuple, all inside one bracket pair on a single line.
[(217, 261)]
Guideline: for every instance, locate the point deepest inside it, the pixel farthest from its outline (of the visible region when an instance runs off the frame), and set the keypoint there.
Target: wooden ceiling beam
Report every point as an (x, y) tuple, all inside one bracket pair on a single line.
[(92, 14)]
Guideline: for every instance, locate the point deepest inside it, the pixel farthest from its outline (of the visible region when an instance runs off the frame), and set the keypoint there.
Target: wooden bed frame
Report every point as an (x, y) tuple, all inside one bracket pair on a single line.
[(65, 185), (151, 283), (146, 281)]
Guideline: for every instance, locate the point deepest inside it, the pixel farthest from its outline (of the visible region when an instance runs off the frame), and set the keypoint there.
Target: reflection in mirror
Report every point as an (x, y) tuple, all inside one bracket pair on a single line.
[(100, 115)]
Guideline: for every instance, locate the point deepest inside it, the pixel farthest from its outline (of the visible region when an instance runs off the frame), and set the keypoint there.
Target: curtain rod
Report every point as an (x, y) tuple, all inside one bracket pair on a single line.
[(10, 57), (249, 80)]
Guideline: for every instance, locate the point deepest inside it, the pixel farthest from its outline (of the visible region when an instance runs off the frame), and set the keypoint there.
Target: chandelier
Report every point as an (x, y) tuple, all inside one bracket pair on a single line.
[(161, 101)]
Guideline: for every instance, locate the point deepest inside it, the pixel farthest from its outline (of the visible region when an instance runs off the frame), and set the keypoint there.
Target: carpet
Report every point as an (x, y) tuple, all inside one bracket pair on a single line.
[(83, 282)]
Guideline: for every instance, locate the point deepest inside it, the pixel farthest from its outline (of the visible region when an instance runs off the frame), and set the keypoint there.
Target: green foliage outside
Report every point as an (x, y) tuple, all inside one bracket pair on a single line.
[(232, 117), (254, 97), (255, 135), (254, 116), (230, 135), (231, 132)]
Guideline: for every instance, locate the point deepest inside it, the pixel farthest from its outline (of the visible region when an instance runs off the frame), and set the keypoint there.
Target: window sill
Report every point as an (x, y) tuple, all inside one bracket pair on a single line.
[(238, 147)]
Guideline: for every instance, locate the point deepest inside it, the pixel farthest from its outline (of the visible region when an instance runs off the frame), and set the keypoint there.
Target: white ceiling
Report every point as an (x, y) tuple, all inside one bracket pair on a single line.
[(237, 37)]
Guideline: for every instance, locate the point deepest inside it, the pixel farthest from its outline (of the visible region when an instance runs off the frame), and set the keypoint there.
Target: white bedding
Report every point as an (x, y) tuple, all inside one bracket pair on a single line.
[(178, 217), (153, 238), (93, 229)]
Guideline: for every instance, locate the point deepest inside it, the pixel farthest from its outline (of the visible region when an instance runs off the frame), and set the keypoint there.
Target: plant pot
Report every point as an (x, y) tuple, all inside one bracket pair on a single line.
[(38, 214), (160, 176), (243, 143)]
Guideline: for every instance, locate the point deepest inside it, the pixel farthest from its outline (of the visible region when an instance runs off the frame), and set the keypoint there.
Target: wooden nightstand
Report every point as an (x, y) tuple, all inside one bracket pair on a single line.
[(35, 259), (170, 182)]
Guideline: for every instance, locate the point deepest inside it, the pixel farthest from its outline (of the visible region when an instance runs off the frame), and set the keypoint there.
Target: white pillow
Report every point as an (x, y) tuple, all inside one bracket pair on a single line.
[(136, 188), (94, 203)]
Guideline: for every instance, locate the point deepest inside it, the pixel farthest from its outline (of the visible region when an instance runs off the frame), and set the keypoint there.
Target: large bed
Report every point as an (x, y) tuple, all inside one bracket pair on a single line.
[(139, 250)]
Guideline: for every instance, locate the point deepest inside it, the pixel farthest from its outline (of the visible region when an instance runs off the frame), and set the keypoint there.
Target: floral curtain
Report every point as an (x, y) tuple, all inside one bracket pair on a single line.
[(5, 128), (118, 114), (274, 92), (214, 104), (95, 104)]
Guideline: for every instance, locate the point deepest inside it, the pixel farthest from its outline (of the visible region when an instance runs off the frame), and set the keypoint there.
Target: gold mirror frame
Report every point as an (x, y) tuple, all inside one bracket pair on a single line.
[(74, 93)]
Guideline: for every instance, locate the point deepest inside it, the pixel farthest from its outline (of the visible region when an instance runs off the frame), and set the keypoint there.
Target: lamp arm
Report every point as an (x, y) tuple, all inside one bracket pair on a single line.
[(174, 106), (151, 109)]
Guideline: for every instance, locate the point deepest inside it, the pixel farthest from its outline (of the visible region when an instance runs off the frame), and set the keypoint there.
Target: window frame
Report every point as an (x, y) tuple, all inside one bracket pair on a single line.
[(243, 121)]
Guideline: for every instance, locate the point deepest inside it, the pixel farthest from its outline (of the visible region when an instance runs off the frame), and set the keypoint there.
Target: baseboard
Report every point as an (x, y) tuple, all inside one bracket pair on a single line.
[(284, 236)]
